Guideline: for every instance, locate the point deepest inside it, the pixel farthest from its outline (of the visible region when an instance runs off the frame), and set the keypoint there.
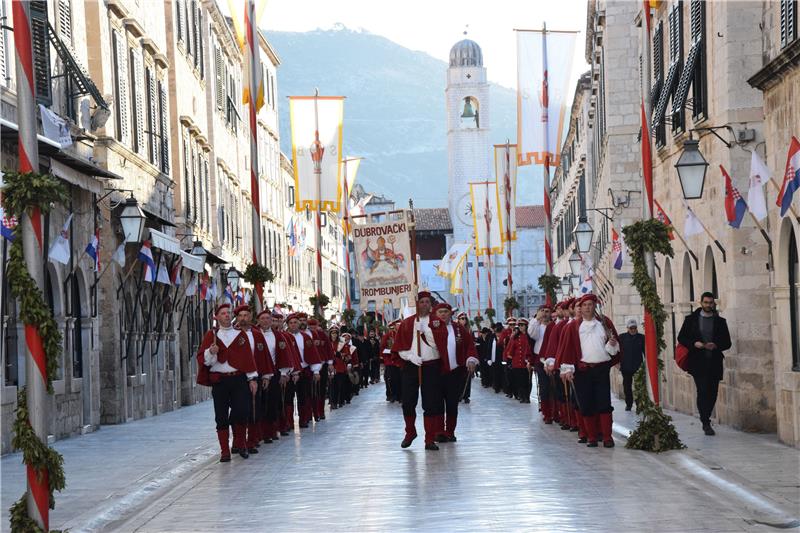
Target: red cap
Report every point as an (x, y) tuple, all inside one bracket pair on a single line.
[(243, 307), (443, 305), (277, 314), (423, 294), (264, 312), (301, 316), (293, 316), (462, 314), (588, 298), (313, 322), (220, 307)]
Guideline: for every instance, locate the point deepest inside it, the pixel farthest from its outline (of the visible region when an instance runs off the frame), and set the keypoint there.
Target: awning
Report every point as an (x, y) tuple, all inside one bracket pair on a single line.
[(214, 259), (152, 215), (193, 262), (165, 242), (52, 149)]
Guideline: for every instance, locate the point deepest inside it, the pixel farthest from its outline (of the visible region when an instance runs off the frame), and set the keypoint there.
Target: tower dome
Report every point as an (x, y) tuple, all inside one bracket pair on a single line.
[(466, 53)]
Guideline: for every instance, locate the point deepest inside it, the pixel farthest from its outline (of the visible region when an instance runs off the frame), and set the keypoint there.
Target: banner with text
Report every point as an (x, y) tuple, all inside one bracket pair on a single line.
[(384, 262)]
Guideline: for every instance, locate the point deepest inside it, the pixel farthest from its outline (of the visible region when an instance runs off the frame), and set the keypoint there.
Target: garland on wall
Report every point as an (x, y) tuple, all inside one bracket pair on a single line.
[(549, 283), (655, 431), (24, 193)]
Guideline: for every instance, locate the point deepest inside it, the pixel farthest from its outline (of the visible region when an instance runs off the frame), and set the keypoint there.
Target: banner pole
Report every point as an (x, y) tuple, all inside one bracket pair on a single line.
[(548, 216), (317, 152)]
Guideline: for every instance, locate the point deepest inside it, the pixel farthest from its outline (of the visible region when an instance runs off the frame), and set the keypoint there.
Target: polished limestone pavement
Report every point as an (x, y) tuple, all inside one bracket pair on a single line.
[(507, 472)]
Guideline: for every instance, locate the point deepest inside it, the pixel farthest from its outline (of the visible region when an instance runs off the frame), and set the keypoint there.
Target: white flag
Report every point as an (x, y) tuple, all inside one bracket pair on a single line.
[(692, 225), (119, 255), (60, 250), (55, 128), (505, 171), (486, 218), (162, 276), (191, 288), (759, 175)]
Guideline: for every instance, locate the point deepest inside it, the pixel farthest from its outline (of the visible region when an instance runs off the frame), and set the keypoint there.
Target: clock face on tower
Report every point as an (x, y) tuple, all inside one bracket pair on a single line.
[(464, 209)]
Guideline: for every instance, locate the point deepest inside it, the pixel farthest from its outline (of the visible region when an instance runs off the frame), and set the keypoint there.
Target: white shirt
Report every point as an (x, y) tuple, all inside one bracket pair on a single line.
[(536, 332), (594, 345), (427, 347), (494, 348), (227, 336), (451, 347), (301, 347)]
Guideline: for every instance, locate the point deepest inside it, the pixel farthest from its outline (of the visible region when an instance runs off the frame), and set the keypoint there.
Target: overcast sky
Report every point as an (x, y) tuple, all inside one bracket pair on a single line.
[(433, 26)]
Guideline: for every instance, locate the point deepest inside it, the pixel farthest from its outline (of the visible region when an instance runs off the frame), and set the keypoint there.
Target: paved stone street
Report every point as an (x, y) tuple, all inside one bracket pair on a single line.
[(506, 473)]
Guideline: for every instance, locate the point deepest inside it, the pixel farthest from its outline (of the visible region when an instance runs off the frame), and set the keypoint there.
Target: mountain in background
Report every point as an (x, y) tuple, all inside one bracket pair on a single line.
[(394, 112)]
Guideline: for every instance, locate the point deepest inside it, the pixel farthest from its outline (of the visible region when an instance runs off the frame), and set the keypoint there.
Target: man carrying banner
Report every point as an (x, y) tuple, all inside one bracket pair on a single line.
[(458, 359), (421, 372), (310, 363), (589, 349), (225, 362)]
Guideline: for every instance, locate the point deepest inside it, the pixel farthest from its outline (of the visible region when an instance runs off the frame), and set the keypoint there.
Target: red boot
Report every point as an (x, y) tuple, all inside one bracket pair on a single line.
[(547, 411), (606, 423), (411, 431), (431, 430), (592, 428), (253, 437), (450, 427), (223, 435), (240, 439), (581, 428)]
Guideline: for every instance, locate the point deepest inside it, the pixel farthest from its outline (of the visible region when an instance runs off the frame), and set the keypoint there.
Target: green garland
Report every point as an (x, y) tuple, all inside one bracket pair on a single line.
[(478, 320), (22, 194), (255, 274), (490, 314), (348, 315), (510, 304), (323, 301), (655, 431), (549, 283)]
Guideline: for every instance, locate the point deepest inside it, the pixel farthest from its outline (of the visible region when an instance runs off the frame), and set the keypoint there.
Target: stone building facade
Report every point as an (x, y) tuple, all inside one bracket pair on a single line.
[(694, 96)]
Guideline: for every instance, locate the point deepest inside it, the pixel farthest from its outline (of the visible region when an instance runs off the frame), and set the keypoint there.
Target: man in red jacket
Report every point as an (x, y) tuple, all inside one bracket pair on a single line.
[(309, 362), (226, 363), (421, 371), (458, 358), (553, 386), (325, 350), (520, 353), (589, 349), (265, 372), (282, 360), (391, 364), (539, 330)]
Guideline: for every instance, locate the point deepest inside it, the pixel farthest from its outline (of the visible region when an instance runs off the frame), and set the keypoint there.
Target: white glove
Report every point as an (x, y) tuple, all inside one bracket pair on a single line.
[(349, 366), (550, 362), (489, 362), (567, 369), (209, 358)]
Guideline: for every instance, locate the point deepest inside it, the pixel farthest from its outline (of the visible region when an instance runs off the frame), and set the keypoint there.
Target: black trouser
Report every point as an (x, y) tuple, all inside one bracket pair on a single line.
[(375, 370), (341, 387), (432, 400), (486, 374), (627, 387), (394, 376), (593, 389), (453, 388), (544, 383), (258, 403), (508, 384), (498, 375), (522, 383), (323, 383), (232, 401), (273, 399), (707, 388)]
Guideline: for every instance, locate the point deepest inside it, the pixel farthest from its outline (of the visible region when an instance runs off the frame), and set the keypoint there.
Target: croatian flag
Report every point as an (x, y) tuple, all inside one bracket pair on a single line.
[(791, 177), (661, 215), (146, 257), (203, 286), (175, 274), (8, 225), (93, 250), (735, 206), (228, 293), (587, 285), (616, 249), (211, 295)]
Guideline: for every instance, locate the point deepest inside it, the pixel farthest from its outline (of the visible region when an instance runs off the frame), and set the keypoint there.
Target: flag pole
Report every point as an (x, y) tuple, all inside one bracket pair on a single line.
[(346, 200), (252, 32), (548, 215), (487, 215), (317, 152), (466, 282), (507, 179), (710, 235), (777, 188), (35, 360)]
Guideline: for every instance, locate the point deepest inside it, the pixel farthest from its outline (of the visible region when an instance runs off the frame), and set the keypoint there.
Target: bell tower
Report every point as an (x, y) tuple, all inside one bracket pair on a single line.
[(468, 144)]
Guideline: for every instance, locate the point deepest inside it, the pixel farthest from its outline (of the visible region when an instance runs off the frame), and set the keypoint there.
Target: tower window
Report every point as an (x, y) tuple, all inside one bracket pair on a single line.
[(470, 117)]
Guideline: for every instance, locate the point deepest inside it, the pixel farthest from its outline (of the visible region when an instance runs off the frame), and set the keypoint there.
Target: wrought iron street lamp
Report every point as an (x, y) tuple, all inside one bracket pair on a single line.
[(233, 279), (565, 285), (691, 167), (583, 235), (132, 220), (575, 263), (198, 250), (576, 281)]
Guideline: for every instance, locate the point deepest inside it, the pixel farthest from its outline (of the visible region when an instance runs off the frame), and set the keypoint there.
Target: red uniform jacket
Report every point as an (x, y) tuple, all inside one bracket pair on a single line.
[(238, 355), (342, 358), (569, 350), (261, 354), (310, 353), (551, 348), (283, 356), (404, 337), (520, 350), (390, 358), (322, 343), (503, 337), (465, 344)]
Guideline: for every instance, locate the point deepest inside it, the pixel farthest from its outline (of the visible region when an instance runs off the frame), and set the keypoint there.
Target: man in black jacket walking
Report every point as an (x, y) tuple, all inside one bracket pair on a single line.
[(632, 355), (706, 335)]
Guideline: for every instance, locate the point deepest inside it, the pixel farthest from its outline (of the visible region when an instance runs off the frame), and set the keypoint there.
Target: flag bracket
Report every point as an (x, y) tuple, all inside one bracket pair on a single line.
[(713, 130), (602, 210), (721, 249)]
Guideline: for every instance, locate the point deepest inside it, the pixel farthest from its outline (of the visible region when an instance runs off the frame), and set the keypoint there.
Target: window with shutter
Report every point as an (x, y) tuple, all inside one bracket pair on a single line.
[(195, 30), (179, 20), (788, 22), (692, 67), (198, 60), (219, 84), (137, 99), (4, 78), (152, 126), (163, 129), (208, 188), (673, 75), (195, 185), (41, 52), (187, 179), (201, 196), (121, 87), (65, 21), (676, 55)]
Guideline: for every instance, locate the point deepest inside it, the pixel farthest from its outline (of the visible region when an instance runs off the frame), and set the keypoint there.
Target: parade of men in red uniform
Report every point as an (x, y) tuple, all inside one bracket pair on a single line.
[(283, 362)]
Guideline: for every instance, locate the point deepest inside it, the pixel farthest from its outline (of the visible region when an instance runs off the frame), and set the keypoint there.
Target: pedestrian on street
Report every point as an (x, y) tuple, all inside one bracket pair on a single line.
[(706, 335), (421, 373), (226, 364), (374, 357), (463, 321), (495, 358), (632, 356)]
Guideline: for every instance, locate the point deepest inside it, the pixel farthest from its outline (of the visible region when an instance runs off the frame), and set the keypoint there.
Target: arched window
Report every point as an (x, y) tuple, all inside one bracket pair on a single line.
[(710, 277), (688, 279), (470, 114), (794, 276)]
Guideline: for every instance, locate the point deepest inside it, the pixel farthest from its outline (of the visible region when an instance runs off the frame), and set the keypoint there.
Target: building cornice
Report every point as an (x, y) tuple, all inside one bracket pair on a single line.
[(773, 72)]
